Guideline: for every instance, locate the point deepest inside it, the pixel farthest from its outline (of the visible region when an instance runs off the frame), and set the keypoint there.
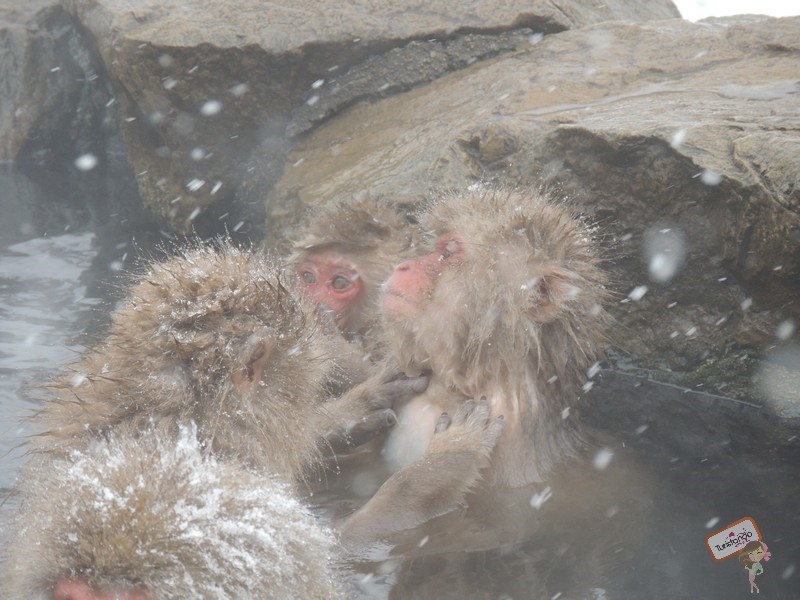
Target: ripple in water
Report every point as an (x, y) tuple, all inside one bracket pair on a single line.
[(43, 308)]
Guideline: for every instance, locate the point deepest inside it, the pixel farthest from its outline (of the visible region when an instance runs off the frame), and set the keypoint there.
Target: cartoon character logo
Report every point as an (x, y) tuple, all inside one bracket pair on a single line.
[(750, 558)]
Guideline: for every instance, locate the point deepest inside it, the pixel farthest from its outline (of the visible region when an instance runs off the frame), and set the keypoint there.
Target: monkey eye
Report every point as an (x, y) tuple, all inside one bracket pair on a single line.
[(340, 282), (308, 277), (449, 249)]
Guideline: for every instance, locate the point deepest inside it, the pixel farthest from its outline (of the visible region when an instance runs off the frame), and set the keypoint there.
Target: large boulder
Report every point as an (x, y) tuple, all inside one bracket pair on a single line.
[(58, 118), (203, 89), (680, 140)]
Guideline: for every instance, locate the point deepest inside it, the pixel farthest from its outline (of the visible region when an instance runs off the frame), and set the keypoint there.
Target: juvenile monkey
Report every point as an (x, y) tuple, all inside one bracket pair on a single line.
[(210, 341), (508, 305), (344, 255), (194, 340)]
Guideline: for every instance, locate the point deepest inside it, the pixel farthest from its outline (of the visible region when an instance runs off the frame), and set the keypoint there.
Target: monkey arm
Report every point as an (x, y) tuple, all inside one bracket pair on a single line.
[(434, 484), (365, 411)]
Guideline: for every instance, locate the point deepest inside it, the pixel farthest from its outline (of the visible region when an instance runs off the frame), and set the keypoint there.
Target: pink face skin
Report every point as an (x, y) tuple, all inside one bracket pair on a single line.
[(330, 281), (410, 286), (78, 590)]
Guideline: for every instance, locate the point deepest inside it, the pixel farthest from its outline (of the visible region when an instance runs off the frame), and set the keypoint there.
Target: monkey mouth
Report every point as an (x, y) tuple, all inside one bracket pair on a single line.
[(395, 302), (387, 291)]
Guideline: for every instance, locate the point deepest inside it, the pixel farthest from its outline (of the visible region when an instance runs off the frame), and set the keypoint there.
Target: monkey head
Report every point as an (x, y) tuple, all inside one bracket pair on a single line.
[(213, 336), (508, 304), (151, 516), (508, 272), (346, 252)]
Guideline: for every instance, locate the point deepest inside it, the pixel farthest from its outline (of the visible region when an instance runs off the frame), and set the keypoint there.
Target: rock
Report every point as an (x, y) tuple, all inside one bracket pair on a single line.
[(663, 129), (32, 75), (205, 88), (58, 118)]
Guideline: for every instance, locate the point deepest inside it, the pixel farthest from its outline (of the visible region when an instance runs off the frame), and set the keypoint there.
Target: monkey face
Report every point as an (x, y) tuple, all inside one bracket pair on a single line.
[(332, 282), (78, 590), (410, 288)]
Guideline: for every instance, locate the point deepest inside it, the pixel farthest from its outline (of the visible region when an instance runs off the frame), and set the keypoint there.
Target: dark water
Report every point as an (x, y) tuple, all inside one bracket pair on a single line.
[(56, 291), (43, 308), (681, 465)]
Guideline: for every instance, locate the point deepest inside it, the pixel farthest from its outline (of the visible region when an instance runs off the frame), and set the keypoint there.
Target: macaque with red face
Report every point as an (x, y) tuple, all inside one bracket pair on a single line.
[(119, 501), (344, 253), (343, 256), (508, 305)]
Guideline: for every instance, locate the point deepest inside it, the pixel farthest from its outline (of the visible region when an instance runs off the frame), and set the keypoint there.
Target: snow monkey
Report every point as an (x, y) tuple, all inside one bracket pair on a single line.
[(168, 460), (508, 305), (345, 253), (542, 331), (148, 515), (196, 339)]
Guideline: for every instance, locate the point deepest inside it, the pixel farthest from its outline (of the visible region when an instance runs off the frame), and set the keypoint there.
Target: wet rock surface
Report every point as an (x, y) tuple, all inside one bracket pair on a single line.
[(203, 90), (59, 121)]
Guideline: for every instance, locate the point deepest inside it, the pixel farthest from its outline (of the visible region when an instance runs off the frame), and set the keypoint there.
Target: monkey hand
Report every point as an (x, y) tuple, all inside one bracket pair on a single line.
[(435, 483), (365, 411), (470, 430)]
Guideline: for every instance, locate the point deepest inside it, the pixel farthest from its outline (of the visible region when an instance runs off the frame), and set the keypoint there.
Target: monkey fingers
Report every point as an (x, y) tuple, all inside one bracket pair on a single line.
[(435, 483), (443, 423), (394, 392), (471, 427), (366, 410), (360, 432)]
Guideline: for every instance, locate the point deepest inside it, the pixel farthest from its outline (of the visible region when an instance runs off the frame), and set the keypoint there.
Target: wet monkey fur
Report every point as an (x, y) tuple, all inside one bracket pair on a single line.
[(211, 342), (209, 337), (508, 305)]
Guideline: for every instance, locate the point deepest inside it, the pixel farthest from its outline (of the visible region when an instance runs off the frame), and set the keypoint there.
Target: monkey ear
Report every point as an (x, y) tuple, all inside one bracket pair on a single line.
[(244, 375), (551, 288)]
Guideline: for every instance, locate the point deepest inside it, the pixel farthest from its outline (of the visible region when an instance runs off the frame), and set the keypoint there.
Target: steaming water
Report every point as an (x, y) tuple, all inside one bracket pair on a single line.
[(665, 470), (682, 466), (43, 308)]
